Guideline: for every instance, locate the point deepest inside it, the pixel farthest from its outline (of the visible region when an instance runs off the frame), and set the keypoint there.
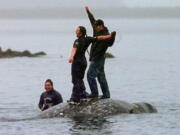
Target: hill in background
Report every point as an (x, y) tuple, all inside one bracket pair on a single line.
[(55, 13)]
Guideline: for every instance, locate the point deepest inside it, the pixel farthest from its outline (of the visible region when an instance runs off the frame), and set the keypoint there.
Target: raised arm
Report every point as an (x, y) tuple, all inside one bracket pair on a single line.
[(90, 16)]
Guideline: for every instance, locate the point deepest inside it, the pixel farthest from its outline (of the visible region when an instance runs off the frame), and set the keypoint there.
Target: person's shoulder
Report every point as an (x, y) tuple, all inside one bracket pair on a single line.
[(57, 92), (106, 29), (76, 42), (90, 37), (43, 93)]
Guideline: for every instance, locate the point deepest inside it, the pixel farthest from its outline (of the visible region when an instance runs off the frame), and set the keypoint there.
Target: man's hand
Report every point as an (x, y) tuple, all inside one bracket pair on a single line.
[(86, 8), (49, 106), (113, 34), (71, 59), (43, 108)]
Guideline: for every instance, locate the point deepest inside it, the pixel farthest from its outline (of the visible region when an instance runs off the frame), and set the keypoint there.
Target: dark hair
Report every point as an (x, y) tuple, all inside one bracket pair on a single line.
[(83, 30), (99, 22), (49, 81)]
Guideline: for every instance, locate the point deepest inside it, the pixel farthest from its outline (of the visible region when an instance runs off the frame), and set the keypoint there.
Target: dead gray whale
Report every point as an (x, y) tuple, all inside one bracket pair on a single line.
[(97, 107)]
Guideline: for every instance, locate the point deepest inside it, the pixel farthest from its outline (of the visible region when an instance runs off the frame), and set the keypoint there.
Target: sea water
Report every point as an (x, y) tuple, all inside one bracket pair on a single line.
[(145, 69)]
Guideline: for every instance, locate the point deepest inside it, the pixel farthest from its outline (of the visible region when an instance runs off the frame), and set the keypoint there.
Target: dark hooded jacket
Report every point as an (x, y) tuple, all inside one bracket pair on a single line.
[(98, 48)]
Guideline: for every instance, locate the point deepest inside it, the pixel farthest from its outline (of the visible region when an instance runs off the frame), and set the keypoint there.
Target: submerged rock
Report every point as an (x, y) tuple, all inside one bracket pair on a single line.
[(11, 53), (97, 107)]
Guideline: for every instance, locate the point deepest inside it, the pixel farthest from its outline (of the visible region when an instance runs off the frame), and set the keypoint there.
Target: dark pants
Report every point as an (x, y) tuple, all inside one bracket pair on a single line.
[(77, 71), (96, 69)]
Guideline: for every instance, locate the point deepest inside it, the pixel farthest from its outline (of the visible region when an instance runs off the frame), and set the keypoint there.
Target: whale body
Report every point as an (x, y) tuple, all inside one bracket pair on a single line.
[(97, 107)]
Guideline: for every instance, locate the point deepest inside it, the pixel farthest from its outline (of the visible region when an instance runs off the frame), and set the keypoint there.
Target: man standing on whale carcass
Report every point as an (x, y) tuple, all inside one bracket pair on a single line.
[(97, 58)]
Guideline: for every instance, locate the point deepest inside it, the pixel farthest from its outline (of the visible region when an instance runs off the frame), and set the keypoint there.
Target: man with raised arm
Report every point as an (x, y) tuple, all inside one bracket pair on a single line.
[(97, 57)]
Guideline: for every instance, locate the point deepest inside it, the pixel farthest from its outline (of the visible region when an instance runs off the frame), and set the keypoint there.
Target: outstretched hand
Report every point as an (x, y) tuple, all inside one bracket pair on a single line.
[(86, 8), (71, 59)]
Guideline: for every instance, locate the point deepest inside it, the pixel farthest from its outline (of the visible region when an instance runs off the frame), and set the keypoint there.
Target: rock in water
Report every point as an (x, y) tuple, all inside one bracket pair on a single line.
[(99, 107), (11, 54)]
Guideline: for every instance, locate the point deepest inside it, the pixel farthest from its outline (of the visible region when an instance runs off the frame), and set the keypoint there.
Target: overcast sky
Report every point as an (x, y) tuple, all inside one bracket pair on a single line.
[(93, 3)]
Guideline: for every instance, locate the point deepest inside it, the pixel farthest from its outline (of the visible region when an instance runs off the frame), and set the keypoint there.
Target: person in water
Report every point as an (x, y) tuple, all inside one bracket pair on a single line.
[(79, 62), (97, 57), (50, 97)]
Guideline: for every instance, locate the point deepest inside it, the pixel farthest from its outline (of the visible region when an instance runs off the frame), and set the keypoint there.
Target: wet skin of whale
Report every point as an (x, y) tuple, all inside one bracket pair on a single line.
[(97, 107)]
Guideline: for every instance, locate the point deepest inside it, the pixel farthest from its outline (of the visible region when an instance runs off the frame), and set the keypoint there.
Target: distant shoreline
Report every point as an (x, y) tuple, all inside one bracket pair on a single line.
[(79, 13)]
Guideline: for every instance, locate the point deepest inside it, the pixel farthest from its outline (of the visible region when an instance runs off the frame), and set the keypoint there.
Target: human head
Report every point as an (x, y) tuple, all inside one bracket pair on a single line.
[(99, 25), (81, 31), (48, 85)]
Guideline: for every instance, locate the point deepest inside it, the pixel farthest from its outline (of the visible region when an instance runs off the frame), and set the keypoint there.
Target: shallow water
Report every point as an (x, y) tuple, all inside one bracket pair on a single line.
[(146, 69)]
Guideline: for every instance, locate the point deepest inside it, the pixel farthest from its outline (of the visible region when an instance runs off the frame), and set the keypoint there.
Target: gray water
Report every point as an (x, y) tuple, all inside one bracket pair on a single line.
[(146, 69)]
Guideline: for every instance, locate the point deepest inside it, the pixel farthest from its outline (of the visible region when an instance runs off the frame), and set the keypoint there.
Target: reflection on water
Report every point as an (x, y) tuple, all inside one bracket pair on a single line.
[(90, 125), (89, 122)]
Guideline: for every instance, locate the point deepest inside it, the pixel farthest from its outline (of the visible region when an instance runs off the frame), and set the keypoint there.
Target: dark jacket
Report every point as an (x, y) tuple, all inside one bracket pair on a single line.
[(98, 48), (50, 98), (81, 44)]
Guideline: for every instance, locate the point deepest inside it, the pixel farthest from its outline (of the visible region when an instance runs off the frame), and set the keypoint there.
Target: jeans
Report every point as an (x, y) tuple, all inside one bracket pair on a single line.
[(96, 69)]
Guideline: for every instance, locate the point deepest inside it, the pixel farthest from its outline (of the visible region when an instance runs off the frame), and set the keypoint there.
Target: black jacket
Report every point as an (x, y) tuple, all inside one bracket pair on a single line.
[(98, 48), (81, 44), (50, 98)]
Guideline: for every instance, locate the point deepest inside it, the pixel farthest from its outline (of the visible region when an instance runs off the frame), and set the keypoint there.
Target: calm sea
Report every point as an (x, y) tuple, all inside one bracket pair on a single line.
[(146, 68)]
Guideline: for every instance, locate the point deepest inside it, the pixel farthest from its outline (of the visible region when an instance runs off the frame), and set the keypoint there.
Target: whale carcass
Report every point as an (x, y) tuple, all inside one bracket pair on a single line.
[(97, 107)]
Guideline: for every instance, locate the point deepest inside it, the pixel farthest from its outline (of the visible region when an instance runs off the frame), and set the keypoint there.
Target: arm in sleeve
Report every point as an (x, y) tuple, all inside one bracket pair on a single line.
[(90, 16), (94, 39), (91, 39), (108, 37), (112, 39), (104, 37), (41, 101), (73, 51), (59, 98)]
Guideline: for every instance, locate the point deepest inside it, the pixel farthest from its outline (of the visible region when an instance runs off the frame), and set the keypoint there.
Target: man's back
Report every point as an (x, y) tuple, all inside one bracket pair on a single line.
[(98, 48)]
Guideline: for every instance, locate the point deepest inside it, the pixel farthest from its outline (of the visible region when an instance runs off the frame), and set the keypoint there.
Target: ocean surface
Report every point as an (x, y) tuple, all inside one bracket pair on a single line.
[(146, 68)]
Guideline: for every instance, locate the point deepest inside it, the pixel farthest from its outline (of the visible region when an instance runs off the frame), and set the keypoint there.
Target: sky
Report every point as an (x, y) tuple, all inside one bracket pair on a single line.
[(14, 4)]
